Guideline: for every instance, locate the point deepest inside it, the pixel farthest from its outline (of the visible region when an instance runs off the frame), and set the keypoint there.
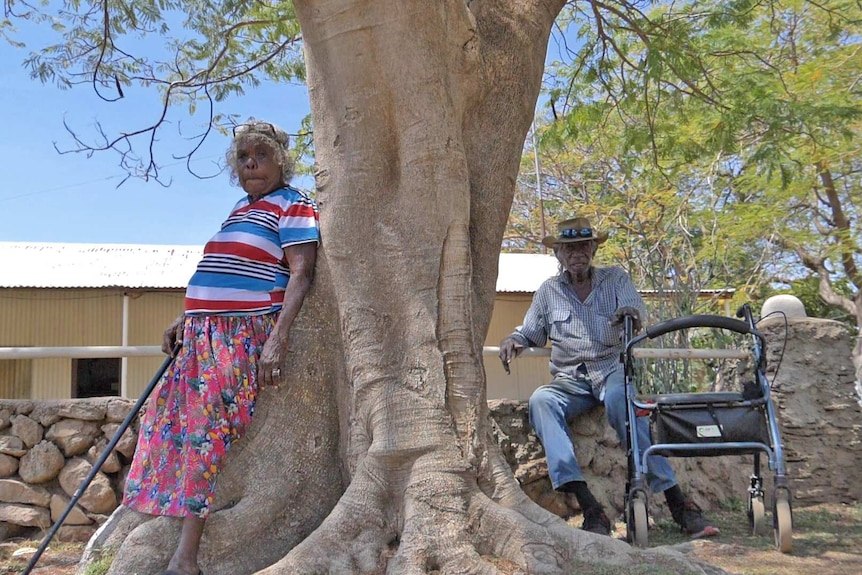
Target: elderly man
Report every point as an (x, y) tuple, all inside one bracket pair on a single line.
[(581, 311)]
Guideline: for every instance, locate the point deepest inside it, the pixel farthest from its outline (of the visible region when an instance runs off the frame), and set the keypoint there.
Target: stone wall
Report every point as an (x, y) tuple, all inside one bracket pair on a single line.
[(708, 480), (47, 449), (815, 393)]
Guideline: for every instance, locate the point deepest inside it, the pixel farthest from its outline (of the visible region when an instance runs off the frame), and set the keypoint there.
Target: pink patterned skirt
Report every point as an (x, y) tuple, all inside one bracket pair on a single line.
[(204, 402)]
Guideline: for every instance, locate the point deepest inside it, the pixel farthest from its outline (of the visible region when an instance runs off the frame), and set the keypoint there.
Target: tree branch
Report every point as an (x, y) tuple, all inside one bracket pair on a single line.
[(818, 266), (844, 236), (225, 52)]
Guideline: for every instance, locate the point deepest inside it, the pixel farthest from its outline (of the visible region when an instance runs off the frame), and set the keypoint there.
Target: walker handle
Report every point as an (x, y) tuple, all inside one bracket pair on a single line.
[(690, 321)]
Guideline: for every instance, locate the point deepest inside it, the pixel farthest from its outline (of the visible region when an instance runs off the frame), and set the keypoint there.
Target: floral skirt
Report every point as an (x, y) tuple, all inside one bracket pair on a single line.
[(204, 402)]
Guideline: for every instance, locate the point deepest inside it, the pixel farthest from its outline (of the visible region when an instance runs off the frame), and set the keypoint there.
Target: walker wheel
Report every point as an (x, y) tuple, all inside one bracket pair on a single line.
[(637, 520), (756, 515), (783, 522)]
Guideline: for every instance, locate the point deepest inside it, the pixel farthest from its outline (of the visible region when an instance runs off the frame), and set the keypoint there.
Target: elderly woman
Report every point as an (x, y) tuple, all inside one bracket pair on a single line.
[(239, 308)]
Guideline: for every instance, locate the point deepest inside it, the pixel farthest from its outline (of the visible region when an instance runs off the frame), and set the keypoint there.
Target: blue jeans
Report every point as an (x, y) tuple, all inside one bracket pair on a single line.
[(554, 406)]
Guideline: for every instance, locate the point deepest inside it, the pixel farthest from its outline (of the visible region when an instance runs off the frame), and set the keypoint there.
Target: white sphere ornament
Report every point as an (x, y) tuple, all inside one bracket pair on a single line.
[(791, 305)]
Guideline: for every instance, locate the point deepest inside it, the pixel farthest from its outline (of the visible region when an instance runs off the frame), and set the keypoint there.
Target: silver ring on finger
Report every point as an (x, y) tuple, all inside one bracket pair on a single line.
[(276, 372)]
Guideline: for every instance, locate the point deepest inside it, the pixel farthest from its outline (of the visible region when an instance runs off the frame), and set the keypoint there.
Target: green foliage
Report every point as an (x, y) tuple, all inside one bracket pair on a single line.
[(221, 46), (101, 566), (191, 54), (721, 140), (8, 32)]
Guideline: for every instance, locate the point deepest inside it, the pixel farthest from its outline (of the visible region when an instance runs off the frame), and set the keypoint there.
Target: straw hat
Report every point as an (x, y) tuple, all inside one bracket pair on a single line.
[(575, 230)]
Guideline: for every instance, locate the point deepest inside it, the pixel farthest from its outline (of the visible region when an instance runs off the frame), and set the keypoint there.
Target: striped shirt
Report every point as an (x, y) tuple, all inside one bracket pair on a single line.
[(580, 331), (243, 270)]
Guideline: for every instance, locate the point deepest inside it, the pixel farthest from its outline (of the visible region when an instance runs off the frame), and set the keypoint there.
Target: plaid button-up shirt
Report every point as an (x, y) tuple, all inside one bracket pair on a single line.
[(580, 331)]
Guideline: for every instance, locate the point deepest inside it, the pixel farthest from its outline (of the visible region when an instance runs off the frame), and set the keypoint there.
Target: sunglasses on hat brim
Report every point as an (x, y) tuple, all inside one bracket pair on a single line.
[(573, 233)]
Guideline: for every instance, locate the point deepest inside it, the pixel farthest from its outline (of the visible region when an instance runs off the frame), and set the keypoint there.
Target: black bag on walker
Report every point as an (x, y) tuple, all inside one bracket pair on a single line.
[(706, 423)]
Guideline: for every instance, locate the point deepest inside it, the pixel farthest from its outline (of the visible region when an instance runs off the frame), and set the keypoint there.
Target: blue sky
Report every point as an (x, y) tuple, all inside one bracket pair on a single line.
[(50, 197), (46, 196)]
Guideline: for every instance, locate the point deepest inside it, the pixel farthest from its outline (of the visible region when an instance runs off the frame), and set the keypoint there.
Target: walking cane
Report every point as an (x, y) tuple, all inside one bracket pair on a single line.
[(102, 458)]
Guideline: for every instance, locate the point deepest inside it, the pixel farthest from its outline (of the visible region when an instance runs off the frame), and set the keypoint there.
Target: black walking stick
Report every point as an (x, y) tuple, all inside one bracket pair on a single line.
[(102, 458)]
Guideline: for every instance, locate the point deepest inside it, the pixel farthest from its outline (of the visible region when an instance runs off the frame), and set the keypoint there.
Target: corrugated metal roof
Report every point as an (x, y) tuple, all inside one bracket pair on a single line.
[(146, 266), (142, 266), (61, 265)]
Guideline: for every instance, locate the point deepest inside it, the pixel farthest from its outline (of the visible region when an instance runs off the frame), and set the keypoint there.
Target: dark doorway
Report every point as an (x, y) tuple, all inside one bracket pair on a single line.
[(96, 377)]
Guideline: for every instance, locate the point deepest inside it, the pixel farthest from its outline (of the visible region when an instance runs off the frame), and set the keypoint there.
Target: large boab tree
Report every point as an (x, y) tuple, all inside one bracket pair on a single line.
[(378, 457)]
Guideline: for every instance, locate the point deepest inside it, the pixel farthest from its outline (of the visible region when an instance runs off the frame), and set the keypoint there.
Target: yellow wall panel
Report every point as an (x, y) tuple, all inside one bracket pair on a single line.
[(15, 378), (66, 317), (51, 379), (150, 313), (53, 317), (528, 373), (141, 372)]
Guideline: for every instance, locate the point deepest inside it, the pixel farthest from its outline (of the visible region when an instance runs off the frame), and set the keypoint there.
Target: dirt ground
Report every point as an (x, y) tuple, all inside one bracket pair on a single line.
[(827, 540)]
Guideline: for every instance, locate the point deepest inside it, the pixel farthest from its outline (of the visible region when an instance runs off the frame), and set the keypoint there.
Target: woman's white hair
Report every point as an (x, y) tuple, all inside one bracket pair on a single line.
[(260, 132)]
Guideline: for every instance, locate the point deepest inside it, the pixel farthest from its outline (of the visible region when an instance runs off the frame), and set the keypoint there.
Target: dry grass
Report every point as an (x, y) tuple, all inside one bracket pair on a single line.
[(827, 540), (58, 559)]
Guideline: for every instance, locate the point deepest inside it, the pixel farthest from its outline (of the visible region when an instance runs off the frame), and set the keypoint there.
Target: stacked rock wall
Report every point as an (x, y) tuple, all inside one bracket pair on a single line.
[(47, 449), (707, 480), (815, 394)]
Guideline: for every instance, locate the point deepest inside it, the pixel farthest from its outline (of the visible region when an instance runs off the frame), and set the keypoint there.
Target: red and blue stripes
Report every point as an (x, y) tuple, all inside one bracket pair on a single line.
[(243, 270)]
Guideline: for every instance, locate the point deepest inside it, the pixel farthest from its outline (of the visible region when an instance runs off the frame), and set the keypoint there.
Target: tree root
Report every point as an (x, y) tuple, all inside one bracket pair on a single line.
[(443, 523), (354, 538)]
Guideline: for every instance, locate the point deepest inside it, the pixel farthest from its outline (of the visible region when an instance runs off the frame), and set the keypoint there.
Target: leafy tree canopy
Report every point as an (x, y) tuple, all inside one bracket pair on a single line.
[(721, 138)]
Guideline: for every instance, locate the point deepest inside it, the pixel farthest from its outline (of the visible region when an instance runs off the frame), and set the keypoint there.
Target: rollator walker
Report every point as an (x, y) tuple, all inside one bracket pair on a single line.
[(706, 424)]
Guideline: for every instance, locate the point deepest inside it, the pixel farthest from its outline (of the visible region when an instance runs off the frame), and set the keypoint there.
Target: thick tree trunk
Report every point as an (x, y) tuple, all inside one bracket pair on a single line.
[(420, 111)]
